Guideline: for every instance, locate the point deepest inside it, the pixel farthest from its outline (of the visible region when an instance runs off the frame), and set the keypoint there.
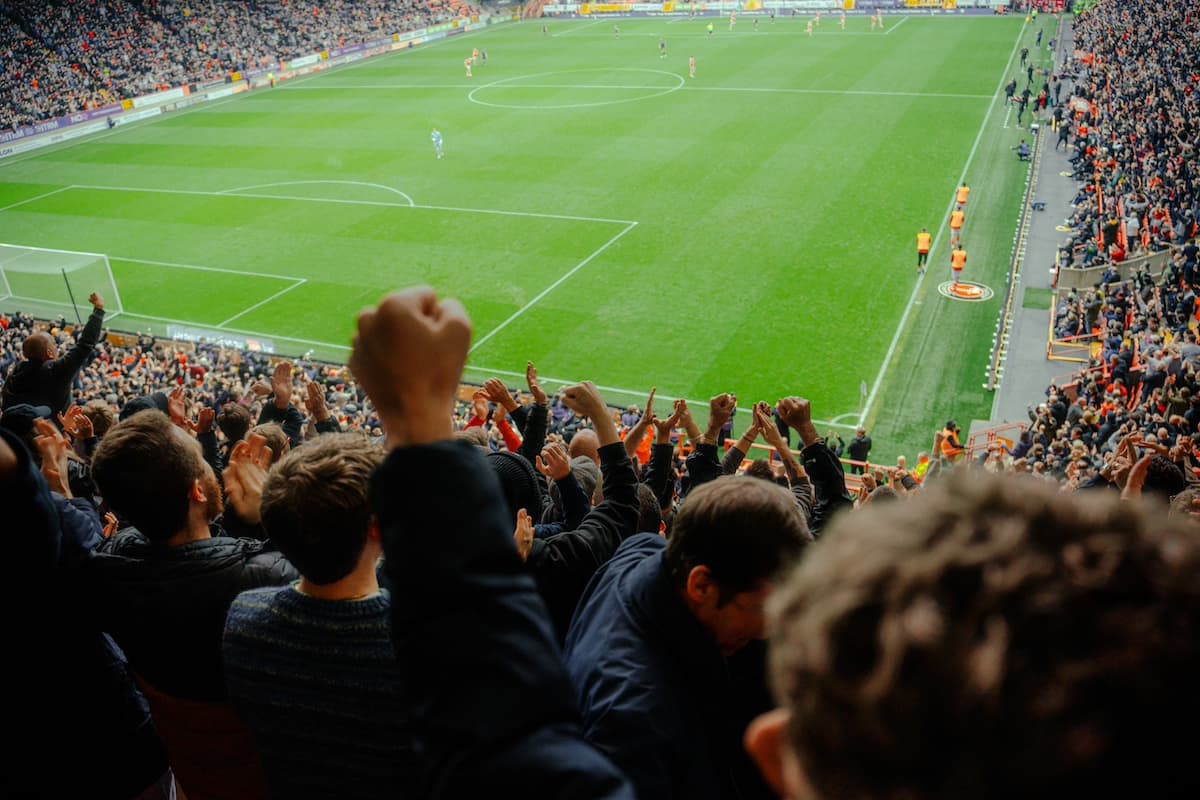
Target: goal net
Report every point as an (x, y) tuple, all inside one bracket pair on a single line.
[(48, 283)]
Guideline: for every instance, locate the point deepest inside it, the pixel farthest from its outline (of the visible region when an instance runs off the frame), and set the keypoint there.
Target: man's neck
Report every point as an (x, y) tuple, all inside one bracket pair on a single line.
[(194, 533), (358, 585)]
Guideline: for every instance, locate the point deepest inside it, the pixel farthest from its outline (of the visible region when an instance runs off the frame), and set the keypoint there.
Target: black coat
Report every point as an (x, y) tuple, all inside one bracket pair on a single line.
[(48, 383), (563, 564), (166, 606), (493, 711)]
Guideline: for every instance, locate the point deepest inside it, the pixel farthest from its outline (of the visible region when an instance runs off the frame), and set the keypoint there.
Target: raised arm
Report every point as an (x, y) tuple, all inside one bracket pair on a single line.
[(490, 696), (702, 464), (822, 466), (70, 362)]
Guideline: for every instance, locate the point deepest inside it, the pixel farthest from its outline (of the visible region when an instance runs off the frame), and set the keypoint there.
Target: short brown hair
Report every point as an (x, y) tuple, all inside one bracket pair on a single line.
[(745, 531), (145, 470), (101, 415), (315, 506), (234, 421), (992, 638), (277, 440)]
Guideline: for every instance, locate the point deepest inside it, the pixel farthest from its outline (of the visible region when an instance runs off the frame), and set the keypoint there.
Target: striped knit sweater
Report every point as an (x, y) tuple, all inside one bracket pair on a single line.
[(318, 684)]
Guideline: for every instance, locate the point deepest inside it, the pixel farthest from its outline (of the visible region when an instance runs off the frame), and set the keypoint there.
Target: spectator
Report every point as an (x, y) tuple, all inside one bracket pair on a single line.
[(45, 378), (858, 450), (647, 647), (311, 667), (902, 667), (162, 590)]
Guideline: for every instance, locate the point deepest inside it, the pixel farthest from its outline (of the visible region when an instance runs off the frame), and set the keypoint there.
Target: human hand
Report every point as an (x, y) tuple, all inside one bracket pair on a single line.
[(245, 475), (1137, 478), (498, 393), (314, 401), (766, 425), (720, 408), (756, 426), (52, 446), (523, 535), (535, 388), (76, 424), (664, 427), (205, 420), (479, 402), (281, 384), (96, 300), (797, 413), (110, 525), (408, 356), (177, 409), (584, 399), (553, 462), (260, 388)]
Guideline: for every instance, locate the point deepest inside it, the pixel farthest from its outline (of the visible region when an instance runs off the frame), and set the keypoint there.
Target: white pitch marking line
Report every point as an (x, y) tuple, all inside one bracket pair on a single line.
[(891, 351), (897, 25), (261, 303), (486, 337), (585, 86), (569, 31), (202, 268), (386, 188), (643, 393), (42, 196), (502, 212), (260, 334)]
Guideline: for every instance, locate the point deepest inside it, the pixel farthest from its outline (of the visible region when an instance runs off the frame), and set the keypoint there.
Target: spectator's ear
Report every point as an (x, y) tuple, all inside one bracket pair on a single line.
[(765, 740)]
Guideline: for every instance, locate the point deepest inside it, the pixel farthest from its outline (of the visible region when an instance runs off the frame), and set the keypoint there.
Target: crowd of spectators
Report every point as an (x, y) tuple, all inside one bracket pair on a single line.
[(1132, 130), (71, 55), (291, 609), (245, 576)]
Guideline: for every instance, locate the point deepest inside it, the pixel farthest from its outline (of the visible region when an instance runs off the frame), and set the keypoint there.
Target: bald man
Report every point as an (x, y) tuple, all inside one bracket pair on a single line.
[(44, 378)]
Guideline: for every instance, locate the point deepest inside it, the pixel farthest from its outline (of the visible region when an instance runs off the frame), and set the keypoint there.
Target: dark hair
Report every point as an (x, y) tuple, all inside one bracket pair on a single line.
[(234, 421), (743, 530), (992, 638), (760, 469), (649, 514), (315, 507), (1164, 478), (145, 469)]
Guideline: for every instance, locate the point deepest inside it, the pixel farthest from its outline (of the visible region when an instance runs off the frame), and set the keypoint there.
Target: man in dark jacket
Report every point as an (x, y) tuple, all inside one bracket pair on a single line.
[(82, 723), (648, 648), (858, 450), (44, 378), (162, 588)]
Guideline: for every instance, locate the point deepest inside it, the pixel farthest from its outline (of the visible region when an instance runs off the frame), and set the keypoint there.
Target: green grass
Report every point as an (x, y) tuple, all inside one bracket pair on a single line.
[(749, 230)]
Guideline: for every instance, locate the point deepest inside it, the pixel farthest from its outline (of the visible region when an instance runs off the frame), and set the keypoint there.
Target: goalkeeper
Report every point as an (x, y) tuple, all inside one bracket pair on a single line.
[(44, 378)]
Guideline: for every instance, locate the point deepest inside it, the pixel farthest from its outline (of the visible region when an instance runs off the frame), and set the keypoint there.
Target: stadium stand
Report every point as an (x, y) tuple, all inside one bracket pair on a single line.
[(77, 54)]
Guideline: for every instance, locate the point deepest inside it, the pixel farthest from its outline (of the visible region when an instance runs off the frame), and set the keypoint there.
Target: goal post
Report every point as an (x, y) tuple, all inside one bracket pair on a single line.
[(48, 283)]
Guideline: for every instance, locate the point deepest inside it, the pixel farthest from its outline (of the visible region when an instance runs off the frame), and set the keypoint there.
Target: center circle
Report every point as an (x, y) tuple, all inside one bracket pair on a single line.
[(671, 83)]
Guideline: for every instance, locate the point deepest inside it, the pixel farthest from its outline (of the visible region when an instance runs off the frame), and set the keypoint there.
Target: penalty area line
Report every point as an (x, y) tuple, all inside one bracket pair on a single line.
[(562, 279)]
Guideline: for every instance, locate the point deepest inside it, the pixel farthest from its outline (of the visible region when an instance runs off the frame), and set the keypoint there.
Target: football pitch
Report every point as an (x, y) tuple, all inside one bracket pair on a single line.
[(597, 210)]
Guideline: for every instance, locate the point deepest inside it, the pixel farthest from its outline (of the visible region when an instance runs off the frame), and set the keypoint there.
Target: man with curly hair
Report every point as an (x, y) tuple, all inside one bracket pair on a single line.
[(991, 638)]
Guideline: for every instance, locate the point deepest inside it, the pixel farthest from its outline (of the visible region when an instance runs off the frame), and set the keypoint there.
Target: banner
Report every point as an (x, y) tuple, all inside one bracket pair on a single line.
[(158, 98)]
